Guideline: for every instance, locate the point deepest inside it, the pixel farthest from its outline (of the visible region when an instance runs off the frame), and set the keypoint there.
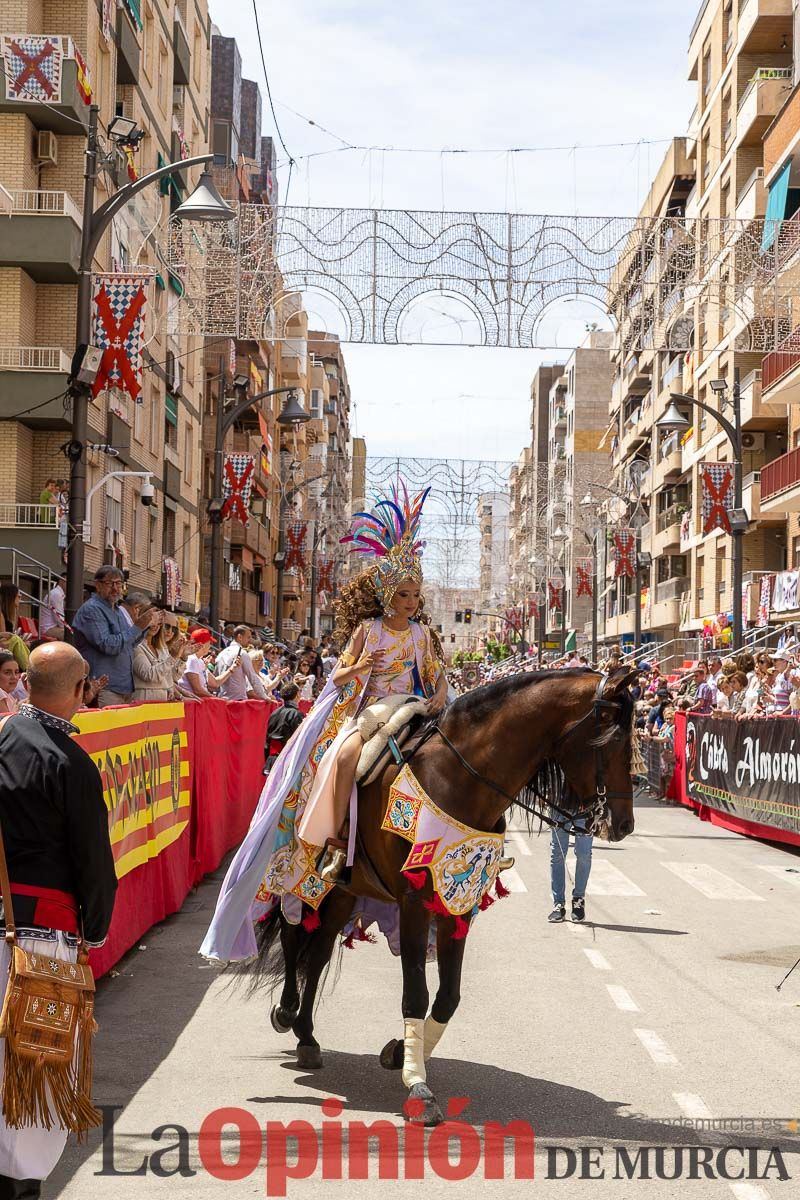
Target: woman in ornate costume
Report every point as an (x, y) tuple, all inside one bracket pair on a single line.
[(294, 850)]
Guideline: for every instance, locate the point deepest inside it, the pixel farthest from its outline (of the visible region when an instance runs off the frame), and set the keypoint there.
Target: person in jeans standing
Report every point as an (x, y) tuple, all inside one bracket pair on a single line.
[(559, 845), (106, 638)]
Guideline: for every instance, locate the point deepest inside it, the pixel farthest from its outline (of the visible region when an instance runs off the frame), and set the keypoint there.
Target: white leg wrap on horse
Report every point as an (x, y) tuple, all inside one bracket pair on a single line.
[(433, 1032), (413, 1056)]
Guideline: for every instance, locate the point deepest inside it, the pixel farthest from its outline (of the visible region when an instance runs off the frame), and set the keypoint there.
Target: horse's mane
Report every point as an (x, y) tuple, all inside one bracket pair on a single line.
[(549, 784), (483, 701)]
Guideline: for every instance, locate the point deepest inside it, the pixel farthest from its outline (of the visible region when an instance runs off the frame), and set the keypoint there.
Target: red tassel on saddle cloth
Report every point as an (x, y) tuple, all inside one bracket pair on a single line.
[(417, 879), (311, 921), (437, 906), (500, 891)]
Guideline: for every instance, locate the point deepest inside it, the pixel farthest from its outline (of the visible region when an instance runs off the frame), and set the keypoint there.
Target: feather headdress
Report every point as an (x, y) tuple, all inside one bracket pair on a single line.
[(390, 535)]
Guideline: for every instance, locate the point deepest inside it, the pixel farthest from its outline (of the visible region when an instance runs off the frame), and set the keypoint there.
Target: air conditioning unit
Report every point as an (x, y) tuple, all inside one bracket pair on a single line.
[(753, 441), (46, 147)]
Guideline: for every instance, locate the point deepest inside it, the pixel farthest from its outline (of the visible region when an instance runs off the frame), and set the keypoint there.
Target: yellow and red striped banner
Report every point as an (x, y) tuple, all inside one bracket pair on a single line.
[(142, 754)]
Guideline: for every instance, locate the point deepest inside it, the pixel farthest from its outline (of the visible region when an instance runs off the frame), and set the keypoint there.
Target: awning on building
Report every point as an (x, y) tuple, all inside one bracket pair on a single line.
[(171, 409), (776, 207)]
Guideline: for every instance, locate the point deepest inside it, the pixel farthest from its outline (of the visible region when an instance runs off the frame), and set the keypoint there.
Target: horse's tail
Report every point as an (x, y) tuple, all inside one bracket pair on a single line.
[(268, 968)]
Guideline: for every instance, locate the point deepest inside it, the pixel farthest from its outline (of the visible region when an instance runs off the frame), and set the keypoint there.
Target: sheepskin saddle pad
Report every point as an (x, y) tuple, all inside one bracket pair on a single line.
[(380, 721)]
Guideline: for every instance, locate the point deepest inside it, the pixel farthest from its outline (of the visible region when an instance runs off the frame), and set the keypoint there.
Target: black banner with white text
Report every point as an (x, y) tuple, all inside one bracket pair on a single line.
[(749, 769)]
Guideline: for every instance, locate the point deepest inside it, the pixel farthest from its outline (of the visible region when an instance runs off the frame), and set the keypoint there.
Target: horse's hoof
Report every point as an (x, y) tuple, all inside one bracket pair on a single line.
[(392, 1055), (309, 1058), (425, 1109), (282, 1019)]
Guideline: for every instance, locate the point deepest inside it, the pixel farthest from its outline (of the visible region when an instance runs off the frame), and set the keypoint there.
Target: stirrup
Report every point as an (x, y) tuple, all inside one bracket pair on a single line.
[(332, 861), (506, 863)]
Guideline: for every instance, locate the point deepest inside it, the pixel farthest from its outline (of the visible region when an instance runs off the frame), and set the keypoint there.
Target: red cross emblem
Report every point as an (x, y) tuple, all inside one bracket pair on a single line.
[(716, 494), (584, 574), (32, 68), (117, 334), (325, 576), (295, 555), (234, 504), (624, 549), (555, 595)]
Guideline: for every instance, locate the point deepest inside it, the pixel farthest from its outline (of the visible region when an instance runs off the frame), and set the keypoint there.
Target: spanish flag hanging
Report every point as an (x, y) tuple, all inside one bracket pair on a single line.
[(84, 82)]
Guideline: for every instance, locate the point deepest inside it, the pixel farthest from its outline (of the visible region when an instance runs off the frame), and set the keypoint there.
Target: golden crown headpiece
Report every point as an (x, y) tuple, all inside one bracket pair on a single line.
[(390, 534)]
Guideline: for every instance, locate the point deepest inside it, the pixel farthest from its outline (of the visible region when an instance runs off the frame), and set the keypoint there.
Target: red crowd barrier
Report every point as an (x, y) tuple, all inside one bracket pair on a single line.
[(182, 782)]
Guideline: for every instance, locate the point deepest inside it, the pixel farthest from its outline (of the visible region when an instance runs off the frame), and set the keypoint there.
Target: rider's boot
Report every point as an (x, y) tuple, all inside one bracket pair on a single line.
[(332, 861)]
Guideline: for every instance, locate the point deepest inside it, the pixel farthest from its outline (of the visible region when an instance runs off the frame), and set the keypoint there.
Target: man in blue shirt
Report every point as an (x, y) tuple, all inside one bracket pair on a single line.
[(106, 639)]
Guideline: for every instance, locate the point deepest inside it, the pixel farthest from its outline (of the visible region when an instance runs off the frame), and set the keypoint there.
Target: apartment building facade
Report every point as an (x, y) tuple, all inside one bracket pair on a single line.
[(780, 373), (740, 57), (148, 63)]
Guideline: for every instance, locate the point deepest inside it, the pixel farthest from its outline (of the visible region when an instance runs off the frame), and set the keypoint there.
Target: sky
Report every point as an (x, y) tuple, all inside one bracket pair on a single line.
[(458, 74)]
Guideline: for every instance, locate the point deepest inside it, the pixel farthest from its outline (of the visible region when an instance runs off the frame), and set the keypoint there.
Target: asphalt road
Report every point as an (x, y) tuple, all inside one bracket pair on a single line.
[(642, 1028)]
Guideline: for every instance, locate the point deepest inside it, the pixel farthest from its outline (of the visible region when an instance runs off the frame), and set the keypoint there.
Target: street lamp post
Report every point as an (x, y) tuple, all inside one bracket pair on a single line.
[(205, 204), (293, 415), (674, 420), (225, 418)]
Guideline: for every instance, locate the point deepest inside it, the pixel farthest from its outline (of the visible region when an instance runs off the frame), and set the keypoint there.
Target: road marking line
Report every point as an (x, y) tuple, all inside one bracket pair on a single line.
[(512, 880), (608, 880), (598, 960), (521, 841), (622, 998), (780, 873), (749, 1191), (710, 882), (648, 842), (692, 1105), (656, 1047)]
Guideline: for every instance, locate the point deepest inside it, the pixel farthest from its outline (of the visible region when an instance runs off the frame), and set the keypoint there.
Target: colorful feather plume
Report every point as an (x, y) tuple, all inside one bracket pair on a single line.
[(392, 522)]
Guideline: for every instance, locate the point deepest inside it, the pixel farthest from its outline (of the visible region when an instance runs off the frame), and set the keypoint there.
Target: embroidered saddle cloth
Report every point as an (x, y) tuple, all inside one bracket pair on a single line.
[(463, 862), (380, 721)]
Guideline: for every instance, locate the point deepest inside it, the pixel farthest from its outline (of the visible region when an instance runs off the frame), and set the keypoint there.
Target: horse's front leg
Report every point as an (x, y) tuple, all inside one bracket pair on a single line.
[(334, 913), (414, 925), (450, 960)]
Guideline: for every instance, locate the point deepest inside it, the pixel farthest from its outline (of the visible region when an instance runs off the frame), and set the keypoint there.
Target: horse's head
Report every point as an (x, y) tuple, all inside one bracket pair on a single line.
[(596, 758)]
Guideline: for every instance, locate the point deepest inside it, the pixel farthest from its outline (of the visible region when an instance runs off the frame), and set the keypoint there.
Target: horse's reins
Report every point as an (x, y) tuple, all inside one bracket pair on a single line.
[(594, 807)]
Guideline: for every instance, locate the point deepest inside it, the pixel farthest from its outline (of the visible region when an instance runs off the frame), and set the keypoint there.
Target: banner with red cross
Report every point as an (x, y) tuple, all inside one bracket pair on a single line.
[(32, 67), (118, 312), (583, 576), (625, 552), (717, 482), (555, 593), (325, 571), (237, 483), (296, 545)]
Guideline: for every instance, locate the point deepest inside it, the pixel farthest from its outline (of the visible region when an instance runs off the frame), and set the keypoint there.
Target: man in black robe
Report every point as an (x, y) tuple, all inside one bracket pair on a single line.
[(54, 823)]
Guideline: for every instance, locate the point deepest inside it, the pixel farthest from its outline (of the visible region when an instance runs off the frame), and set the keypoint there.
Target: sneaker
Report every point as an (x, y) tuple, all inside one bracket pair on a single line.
[(558, 914), (578, 908)]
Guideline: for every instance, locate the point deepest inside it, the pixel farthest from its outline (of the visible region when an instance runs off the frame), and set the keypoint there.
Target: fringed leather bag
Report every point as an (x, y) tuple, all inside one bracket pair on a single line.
[(48, 1024)]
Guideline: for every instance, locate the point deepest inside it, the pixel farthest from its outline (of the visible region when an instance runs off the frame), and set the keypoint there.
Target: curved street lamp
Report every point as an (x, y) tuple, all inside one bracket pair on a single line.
[(675, 421), (208, 206)]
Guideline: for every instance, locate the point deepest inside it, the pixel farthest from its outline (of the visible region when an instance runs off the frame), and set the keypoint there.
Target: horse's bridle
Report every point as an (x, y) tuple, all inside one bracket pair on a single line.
[(593, 809)]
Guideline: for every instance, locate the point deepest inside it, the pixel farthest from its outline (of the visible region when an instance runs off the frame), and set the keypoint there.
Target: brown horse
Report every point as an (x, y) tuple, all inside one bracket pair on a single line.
[(508, 742)]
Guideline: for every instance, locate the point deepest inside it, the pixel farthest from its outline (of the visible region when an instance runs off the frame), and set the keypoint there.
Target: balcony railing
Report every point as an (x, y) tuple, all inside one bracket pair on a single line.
[(780, 362), (668, 518), (781, 474), (31, 203), (762, 74), (34, 358), (25, 516)]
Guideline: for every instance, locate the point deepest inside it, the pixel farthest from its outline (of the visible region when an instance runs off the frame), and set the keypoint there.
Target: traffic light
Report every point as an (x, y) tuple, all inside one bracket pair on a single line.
[(467, 616), (459, 616)]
